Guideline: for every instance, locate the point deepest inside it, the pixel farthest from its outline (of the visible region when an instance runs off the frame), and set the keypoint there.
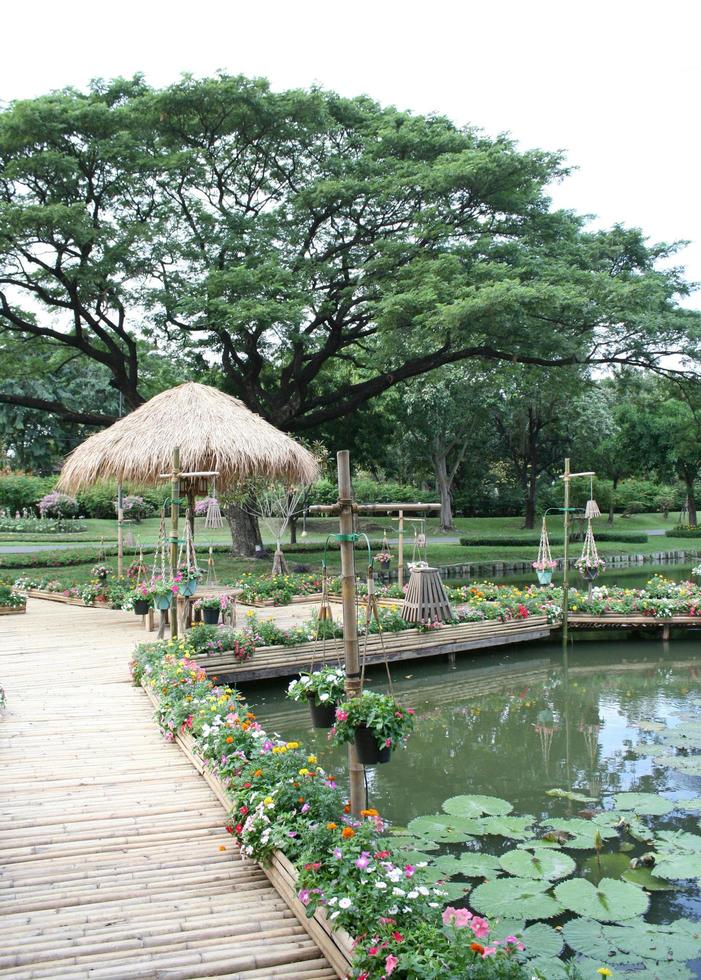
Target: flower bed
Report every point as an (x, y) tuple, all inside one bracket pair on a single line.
[(41, 526), (105, 594), (278, 590), (11, 602), (346, 871)]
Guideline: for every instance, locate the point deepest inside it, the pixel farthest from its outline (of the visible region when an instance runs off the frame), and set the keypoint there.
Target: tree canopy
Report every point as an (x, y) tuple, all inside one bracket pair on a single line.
[(303, 251)]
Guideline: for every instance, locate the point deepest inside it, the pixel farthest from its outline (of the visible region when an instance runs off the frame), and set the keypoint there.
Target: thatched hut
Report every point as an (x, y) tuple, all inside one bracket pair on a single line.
[(214, 432)]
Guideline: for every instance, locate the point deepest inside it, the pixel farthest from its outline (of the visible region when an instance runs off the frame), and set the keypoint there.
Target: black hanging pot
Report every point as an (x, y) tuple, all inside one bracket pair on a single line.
[(323, 715), (141, 606), (210, 616), (590, 574), (369, 752)]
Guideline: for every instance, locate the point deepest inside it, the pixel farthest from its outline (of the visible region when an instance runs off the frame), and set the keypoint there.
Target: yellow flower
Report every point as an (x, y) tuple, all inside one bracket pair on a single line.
[(268, 801), (311, 759), (304, 772), (604, 971), (293, 745)]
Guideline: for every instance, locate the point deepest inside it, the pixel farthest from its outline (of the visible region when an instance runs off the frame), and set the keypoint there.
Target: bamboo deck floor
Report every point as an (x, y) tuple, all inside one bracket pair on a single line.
[(114, 861)]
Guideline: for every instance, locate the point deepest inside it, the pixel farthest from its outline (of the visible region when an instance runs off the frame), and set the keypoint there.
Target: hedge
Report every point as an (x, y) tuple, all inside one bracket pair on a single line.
[(684, 532), (494, 540)]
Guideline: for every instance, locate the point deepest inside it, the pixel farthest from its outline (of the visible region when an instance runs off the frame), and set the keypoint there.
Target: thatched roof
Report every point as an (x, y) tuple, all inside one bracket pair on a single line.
[(214, 432)]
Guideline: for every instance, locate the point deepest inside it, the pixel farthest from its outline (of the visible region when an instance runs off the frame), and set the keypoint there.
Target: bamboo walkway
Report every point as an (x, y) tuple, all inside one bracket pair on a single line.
[(114, 862)]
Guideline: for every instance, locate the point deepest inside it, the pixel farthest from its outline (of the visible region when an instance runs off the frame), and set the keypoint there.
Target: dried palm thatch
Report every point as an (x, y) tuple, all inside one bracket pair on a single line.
[(214, 431)]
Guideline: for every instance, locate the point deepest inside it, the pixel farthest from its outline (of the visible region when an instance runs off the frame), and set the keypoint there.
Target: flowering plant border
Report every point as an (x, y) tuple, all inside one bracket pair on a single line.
[(285, 805)]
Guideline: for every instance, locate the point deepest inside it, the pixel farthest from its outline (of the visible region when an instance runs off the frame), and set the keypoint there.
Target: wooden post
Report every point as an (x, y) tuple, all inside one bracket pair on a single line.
[(174, 510), (350, 623), (565, 570), (400, 555), (120, 533)]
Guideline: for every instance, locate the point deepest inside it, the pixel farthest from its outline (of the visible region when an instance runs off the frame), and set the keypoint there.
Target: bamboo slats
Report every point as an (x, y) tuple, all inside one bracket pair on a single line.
[(115, 862)]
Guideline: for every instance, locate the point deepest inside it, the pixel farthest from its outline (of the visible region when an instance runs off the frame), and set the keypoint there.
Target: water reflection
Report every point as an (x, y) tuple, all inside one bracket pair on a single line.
[(516, 724)]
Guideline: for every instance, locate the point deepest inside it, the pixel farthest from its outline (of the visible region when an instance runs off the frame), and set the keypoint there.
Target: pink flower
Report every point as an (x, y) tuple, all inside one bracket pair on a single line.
[(409, 870), (341, 715), (388, 743), (373, 950), (303, 896), (390, 964), (514, 941), (479, 926), (488, 951), (457, 917), (363, 861)]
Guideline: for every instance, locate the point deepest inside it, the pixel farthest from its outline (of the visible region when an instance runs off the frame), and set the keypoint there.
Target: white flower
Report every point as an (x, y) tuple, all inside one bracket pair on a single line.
[(345, 903), (380, 884), (332, 901), (434, 905), (334, 915), (324, 696), (395, 874), (423, 890), (413, 894), (398, 891)]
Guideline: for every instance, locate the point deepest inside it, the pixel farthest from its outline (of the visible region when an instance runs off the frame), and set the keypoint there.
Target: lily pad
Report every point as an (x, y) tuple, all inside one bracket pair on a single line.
[(542, 940), (678, 867), (678, 841), (540, 863), (644, 878), (638, 942), (516, 898), (404, 843), (609, 865), (647, 804), (694, 803), (688, 764), (475, 806), (649, 726), (470, 864), (517, 828), (609, 901), (454, 891), (411, 857), (565, 794), (584, 832), (438, 827)]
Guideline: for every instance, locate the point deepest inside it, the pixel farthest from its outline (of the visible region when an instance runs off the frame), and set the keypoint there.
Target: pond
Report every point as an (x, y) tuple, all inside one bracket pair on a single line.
[(633, 576), (620, 717)]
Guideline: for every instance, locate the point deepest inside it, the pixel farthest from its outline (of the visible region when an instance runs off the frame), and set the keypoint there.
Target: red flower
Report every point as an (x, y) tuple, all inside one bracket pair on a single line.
[(398, 937)]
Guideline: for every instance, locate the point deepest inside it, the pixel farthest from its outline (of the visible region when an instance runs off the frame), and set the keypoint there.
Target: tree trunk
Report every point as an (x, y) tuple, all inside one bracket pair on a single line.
[(691, 500), (443, 488), (246, 541), (293, 530), (532, 470), (612, 502), (531, 497)]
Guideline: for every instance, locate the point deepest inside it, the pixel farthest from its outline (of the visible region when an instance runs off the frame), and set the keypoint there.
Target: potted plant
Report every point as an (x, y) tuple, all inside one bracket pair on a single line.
[(211, 609), (590, 567), (544, 570), (323, 690), (163, 590), (190, 576), (100, 572), (376, 723), (142, 599)]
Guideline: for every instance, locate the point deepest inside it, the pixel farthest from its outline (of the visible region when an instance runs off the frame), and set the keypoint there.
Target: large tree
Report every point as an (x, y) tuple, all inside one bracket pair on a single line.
[(271, 235)]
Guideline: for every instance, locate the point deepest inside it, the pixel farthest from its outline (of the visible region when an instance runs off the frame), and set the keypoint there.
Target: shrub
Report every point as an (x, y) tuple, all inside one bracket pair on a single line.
[(19, 490), (57, 504), (684, 532), (493, 540)]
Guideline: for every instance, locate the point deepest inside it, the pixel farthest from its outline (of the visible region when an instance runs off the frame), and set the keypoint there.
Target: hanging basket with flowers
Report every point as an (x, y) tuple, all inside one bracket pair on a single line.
[(544, 564), (323, 689), (376, 722), (589, 564)]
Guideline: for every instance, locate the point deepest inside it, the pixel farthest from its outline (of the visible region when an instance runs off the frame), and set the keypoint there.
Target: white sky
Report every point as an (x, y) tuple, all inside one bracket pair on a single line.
[(615, 84)]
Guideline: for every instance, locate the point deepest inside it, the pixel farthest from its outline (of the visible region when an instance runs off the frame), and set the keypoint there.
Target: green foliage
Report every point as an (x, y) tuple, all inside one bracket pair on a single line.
[(19, 490), (494, 540)]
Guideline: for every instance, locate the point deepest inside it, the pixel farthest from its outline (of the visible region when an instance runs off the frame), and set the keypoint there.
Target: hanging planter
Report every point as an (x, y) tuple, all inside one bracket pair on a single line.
[(376, 723), (544, 565), (141, 606), (592, 508), (163, 601), (323, 690), (369, 752), (589, 565)]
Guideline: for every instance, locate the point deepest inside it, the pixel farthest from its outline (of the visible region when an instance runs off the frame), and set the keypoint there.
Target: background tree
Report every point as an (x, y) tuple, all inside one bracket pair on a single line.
[(268, 237)]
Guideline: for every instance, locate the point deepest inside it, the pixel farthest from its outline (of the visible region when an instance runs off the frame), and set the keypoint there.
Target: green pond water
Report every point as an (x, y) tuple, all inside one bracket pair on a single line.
[(627, 576), (615, 717)]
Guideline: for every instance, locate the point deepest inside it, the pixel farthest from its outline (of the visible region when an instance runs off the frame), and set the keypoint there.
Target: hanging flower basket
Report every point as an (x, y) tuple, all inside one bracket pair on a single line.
[(589, 565), (544, 564), (324, 714), (369, 752), (141, 606), (162, 601), (210, 616)]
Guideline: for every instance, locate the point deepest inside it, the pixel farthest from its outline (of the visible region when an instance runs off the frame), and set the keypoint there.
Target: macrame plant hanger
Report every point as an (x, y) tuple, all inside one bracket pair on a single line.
[(160, 569), (592, 508), (187, 558), (419, 554), (372, 611), (324, 616), (213, 518), (543, 565), (589, 559)]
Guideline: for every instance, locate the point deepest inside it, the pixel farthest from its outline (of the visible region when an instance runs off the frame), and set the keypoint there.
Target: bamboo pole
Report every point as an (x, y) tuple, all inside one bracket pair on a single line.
[(174, 510), (565, 560), (400, 553), (350, 624), (120, 533)]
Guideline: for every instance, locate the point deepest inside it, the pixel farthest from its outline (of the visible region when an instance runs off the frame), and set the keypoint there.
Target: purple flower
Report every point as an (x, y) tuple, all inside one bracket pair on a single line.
[(337, 853), (303, 896), (363, 861), (305, 808)]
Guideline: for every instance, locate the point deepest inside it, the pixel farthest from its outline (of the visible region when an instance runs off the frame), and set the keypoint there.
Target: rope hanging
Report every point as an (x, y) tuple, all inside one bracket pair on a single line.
[(419, 555), (589, 563), (211, 579), (213, 518), (187, 556), (159, 555), (545, 558), (372, 611), (592, 508)]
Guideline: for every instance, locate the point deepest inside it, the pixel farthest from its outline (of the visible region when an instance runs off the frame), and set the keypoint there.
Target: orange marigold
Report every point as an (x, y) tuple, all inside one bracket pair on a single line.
[(347, 832), (229, 738), (477, 948), (331, 826), (370, 812), (258, 772)]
